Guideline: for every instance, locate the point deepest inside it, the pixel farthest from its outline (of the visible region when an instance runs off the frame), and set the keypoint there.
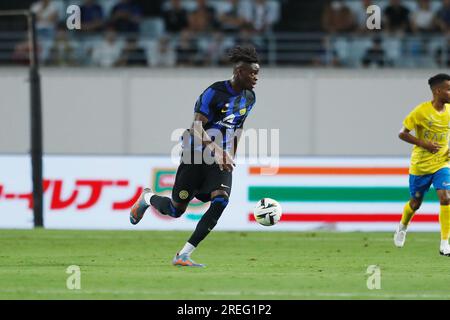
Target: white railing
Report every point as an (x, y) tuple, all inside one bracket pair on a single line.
[(275, 49)]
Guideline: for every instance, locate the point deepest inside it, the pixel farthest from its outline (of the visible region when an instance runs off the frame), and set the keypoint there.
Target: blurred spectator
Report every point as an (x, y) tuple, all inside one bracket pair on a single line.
[(175, 17), (47, 15), (396, 17), (361, 15), (422, 20), (338, 18), (63, 51), (21, 53), (324, 54), (375, 56), (187, 49), (246, 36), (107, 52), (203, 18), (443, 17), (151, 8), (233, 18), (91, 16), (214, 51), (162, 53), (442, 55), (261, 15), (132, 54), (126, 16)]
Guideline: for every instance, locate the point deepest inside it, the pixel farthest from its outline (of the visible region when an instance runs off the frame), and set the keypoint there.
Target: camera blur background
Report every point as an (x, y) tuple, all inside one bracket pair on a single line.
[(130, 56), (114, 95), (170, 33)]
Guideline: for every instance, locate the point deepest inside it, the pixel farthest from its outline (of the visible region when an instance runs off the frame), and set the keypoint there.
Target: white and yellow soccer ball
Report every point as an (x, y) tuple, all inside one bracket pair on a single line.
[(267, 212)]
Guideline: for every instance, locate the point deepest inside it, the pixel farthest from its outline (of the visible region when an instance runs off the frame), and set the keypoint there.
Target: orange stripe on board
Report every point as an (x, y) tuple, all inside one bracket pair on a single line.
[(334, 171)]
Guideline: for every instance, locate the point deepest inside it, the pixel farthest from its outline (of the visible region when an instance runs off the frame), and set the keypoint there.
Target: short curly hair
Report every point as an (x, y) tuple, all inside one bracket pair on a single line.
[(438, 79), (245, 53)]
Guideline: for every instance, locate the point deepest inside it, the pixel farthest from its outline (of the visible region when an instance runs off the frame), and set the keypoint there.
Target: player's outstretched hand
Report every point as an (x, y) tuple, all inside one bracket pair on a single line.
[(432, 147)]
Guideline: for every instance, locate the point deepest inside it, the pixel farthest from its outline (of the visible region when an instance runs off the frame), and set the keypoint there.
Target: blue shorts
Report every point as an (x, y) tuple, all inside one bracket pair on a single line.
[(419, 185)]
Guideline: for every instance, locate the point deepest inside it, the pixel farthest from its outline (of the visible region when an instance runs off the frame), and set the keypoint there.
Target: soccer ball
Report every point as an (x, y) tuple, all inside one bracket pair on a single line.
[(267, 212)]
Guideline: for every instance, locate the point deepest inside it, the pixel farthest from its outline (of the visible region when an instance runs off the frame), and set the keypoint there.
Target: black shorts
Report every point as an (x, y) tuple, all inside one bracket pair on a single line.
[(199, 180)]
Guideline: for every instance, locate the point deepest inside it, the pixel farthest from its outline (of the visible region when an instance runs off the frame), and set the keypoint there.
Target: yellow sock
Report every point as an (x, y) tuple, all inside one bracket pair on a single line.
[(407, 215), (444, 220)]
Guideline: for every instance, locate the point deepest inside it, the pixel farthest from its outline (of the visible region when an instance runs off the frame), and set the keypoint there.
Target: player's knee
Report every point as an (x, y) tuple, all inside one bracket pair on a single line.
[(219, 198), (444, 197), (221, 193), (415, 204), (177, 210)]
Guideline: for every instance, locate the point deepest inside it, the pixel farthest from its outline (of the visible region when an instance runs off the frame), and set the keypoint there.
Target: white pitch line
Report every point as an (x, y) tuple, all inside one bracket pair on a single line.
[(292, 294)]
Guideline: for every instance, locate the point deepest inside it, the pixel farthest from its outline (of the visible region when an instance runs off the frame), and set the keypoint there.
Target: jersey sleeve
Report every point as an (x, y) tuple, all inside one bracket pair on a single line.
[(411, 120), (205, 103)]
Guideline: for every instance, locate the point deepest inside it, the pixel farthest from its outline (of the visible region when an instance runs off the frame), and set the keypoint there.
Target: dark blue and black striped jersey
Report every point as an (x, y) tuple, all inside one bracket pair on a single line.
[(225, 109)]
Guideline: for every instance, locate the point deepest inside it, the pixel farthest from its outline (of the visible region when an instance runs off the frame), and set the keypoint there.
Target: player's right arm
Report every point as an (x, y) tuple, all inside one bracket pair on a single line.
[(406, 136), (203, 112), (223, 158), (414, 120)]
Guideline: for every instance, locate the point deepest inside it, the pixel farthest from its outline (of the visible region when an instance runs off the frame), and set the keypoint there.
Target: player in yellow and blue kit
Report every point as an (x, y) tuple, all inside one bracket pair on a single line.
[(430, 158)]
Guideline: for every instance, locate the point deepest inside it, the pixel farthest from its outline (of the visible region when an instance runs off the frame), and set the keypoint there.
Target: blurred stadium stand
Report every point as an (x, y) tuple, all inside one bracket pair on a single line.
[(295, 36)]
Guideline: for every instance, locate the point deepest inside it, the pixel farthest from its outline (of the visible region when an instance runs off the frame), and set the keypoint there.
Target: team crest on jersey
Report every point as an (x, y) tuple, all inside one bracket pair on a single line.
[(183, 194), (242, 111)]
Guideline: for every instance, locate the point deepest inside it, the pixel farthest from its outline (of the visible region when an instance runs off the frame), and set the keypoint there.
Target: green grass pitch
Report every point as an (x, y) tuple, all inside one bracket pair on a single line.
[(240, 265)]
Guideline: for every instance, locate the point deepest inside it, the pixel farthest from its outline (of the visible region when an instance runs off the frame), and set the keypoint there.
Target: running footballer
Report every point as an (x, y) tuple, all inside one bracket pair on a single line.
[(209, 147), (430, 122)]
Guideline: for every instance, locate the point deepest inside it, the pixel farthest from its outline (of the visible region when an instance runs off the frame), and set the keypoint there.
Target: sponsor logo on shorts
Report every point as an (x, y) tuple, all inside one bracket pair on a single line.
[(445, 184), (183, 194), (418, 194), (224, 186)]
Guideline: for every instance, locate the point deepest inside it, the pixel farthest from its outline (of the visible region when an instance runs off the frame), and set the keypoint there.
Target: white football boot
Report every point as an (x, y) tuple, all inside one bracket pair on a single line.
[(399, 237), (444, 249)]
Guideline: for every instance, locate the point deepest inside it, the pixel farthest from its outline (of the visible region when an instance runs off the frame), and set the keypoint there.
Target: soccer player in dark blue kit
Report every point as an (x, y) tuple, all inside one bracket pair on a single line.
[(209, 147)]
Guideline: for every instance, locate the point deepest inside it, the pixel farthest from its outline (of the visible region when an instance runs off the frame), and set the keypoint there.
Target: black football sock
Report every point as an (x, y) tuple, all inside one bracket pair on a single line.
[(164, 205), (209, 220)]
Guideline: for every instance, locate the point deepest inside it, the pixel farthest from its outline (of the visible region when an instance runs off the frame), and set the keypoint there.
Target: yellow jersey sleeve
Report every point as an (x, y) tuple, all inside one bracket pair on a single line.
[(411, 120)]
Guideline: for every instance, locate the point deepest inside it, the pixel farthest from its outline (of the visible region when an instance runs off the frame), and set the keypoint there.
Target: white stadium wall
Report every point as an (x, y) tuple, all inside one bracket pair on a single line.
[(133, 112), (316, 193)]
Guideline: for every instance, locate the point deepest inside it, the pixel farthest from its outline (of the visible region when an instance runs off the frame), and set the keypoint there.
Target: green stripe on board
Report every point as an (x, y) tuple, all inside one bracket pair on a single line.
[(334, 194)]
